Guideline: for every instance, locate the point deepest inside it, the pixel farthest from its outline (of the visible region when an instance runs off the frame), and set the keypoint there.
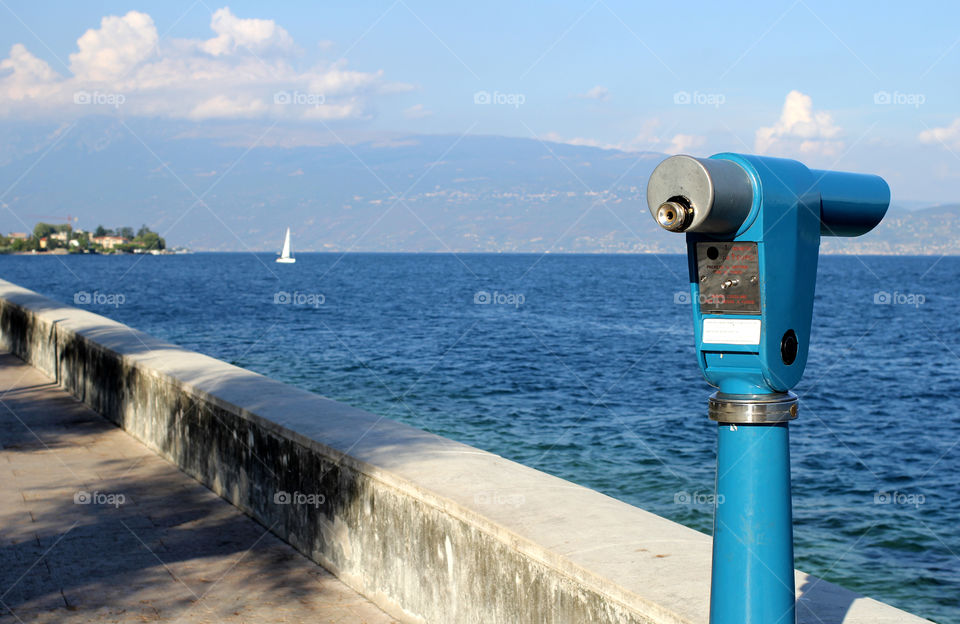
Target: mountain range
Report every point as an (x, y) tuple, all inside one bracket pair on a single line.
[(228, 186)]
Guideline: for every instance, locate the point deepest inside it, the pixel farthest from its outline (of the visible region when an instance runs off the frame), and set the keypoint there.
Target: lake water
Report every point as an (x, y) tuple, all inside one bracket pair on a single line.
[(583, 366)]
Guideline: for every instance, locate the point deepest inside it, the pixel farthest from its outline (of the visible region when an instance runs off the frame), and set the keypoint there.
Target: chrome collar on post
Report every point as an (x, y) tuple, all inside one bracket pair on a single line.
[(753, 408)]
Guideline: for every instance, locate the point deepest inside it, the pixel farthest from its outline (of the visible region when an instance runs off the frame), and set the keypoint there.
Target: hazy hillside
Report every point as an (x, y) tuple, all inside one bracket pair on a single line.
[(411, 193), (933, 230)]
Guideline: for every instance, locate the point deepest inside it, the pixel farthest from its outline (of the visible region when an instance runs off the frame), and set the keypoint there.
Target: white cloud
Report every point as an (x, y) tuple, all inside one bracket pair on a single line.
[(682, 143), (243, 71), (119, 45), (800, 129), (28, 77), (417, 111), (555, 137), (646, 140), (351, 109), (256, 35), (223, 107), (947, 135), (598, 93), (335, 80)]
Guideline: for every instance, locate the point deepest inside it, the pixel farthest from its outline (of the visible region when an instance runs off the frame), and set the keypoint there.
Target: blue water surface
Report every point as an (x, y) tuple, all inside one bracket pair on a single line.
[(583, 366)]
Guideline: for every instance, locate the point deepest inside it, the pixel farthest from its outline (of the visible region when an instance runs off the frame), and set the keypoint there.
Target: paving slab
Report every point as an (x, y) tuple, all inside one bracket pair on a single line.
[(94, 527)]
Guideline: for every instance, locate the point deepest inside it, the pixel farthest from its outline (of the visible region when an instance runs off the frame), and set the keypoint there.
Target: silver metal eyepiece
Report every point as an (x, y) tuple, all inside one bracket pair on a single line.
[(674, 216)]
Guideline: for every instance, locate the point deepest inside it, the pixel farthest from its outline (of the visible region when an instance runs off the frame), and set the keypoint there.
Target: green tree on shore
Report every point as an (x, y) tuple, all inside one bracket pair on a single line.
[(143, 239), (43, 229), (148, 239)]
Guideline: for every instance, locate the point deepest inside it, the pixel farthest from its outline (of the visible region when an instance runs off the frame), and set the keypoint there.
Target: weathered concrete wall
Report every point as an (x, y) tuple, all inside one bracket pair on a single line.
[(430, 529)]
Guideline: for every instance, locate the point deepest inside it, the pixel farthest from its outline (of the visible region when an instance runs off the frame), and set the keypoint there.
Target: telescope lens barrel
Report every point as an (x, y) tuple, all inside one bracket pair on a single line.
[(851, 204), (715, 196)]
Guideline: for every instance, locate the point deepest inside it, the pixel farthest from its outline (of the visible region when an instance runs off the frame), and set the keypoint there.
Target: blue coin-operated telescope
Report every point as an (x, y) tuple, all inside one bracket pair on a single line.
[(753, 228)]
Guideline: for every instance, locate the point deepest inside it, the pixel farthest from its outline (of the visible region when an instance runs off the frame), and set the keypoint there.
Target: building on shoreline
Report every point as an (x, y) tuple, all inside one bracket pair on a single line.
[(109, 242)]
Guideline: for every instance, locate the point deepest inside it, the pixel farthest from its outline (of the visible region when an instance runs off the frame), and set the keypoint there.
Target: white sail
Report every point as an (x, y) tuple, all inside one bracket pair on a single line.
[(285, 254)]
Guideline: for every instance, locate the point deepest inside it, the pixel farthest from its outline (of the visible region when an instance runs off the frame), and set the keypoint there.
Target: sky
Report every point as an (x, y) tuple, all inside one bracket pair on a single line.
[(852, 85)]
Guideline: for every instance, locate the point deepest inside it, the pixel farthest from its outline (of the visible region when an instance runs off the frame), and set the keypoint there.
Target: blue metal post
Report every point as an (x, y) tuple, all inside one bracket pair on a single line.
[(753, 226), (752, 579)]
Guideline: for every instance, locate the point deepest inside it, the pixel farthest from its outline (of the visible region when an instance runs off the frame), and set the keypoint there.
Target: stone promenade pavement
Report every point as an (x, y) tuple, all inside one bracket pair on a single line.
[(94, 527)]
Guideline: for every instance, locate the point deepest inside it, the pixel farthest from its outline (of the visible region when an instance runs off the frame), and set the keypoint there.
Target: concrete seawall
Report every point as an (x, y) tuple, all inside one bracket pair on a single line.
[(429, 529)]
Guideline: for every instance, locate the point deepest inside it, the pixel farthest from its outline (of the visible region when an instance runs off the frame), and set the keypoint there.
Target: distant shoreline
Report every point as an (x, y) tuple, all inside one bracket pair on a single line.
[(59, 255), (470, 253)]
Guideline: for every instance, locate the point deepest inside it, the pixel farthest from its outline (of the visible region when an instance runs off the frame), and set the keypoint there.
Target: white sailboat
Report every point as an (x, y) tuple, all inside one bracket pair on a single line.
[(285, 256)]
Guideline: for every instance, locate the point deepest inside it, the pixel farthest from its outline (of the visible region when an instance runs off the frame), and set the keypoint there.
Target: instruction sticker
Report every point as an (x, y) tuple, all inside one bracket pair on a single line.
[(731, 331)]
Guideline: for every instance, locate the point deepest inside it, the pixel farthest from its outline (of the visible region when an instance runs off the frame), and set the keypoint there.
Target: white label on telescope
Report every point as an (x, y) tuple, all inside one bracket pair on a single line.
[(731, 331)]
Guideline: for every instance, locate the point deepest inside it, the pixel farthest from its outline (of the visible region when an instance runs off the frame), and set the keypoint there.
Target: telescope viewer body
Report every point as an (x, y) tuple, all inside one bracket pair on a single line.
[(753, 227)]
